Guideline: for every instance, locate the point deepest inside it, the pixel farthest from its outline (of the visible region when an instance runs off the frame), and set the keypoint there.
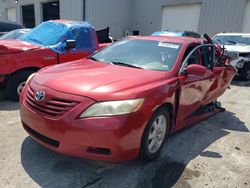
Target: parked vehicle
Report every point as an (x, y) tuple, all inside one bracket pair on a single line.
[(8, 26), (123, 101), (15, 34), (177, 34), (50, 43), (237, 42)]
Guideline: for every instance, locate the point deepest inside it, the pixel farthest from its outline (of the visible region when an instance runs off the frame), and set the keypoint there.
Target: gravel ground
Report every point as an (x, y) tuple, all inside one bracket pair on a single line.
[(213, 153)]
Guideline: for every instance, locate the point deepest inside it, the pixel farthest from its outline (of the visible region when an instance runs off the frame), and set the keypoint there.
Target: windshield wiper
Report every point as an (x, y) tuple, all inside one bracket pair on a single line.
[(219, 41), (125, 64), (232, 42)]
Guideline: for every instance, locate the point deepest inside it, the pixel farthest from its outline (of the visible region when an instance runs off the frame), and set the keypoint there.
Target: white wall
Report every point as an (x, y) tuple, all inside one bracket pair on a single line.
[(246, 22), (112, 13), (11, 14), (181, 17), (71, 9), (146, 16), (37, 7), (2, 10)]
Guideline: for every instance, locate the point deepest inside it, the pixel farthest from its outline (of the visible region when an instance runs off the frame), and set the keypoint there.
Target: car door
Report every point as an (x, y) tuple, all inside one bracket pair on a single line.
[(193, 88), (86, 44), (222, 75), (72, 55)]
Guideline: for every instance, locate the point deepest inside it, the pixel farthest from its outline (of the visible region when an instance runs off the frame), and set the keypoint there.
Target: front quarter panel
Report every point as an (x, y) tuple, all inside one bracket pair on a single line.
[(38, 58)]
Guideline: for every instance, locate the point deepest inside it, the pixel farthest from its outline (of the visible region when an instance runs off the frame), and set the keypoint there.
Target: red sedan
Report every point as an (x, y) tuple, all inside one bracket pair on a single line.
[(123, 101)]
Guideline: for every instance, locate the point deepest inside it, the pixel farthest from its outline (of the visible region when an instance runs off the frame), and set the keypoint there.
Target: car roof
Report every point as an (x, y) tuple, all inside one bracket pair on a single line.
[(167, 33), (6, 26), (72, 23), (232, 34), (175, 39)]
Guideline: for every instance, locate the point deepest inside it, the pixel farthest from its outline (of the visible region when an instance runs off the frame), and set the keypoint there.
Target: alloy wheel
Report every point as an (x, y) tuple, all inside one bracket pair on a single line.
[(157, 134)]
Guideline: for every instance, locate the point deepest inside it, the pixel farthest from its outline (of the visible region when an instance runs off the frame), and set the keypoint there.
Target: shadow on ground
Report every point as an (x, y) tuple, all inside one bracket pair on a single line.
[(8, 106), (238, 81), (49, 169)]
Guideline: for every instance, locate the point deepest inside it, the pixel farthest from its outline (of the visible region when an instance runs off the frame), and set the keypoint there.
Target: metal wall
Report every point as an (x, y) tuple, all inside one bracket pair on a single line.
[(71, 9), (109, 13), (2, 10), (222, 15), (146, 16), (217, 15)]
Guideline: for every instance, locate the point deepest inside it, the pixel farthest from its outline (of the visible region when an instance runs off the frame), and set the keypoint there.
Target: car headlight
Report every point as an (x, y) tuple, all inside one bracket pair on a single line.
[(30, 77), (111, 108)]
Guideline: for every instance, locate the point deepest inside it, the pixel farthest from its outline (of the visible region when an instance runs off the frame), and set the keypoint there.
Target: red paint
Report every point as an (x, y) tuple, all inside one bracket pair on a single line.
[(85, 82), (16, 55)]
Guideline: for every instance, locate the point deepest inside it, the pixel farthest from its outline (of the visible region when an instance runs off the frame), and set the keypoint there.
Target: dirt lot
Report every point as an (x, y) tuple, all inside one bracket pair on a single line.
[(213, 153)]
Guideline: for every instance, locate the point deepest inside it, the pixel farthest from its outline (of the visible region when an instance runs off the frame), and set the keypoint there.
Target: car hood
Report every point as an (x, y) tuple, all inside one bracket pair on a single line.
[(15, 46), (97, 80), (238, 48)]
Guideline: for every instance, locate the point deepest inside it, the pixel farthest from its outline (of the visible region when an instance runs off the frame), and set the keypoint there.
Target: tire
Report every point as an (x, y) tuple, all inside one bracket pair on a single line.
[(148, 153), (245, 71), (15, 82)]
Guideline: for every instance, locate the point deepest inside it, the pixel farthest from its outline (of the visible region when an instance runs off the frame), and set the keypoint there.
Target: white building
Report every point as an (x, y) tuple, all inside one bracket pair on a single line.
[(2, 10), (143, 16)]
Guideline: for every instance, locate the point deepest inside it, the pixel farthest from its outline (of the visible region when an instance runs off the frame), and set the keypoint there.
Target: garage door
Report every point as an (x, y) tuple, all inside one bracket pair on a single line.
[(180, 18), (11, 13), (246, 23)]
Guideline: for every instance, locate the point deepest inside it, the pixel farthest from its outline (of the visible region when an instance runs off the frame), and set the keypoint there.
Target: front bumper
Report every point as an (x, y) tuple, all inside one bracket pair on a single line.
[(112, 139), (240, 62)]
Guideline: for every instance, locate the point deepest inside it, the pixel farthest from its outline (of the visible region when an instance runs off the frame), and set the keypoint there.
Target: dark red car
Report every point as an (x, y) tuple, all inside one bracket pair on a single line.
[(50, 43), (123, 101)]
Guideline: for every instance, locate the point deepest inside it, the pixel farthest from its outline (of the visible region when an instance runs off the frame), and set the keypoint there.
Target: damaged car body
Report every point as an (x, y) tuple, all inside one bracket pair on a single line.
[(124, 101), (237, 42)]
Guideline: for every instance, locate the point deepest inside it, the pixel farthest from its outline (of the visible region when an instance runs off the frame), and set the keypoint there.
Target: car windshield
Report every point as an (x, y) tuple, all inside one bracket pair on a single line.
[(14, 34), (46, 34), (233, 40), (145, 54)]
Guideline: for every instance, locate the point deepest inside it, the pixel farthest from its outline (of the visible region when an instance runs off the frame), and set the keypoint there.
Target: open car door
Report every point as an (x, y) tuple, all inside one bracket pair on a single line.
[(195, 80), (201, 82)]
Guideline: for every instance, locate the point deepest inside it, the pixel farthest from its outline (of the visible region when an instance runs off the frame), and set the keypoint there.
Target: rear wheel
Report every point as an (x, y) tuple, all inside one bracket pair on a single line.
[(245, 71), (16, 84), (155, 135)]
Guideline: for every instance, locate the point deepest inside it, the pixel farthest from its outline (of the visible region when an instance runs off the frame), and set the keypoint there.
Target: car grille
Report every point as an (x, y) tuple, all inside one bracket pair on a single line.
[(54, 107)]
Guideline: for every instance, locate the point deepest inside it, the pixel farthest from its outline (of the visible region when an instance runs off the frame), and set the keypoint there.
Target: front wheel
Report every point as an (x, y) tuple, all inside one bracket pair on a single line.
[(16, 84), (155, 135)]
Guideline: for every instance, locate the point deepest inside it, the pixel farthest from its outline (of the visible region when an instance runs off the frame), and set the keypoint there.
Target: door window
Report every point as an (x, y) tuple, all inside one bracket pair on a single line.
[(193, 58), (207, 56)]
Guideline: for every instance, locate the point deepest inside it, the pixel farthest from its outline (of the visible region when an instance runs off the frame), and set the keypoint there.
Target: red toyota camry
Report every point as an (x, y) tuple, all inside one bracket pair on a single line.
[(123, 101)]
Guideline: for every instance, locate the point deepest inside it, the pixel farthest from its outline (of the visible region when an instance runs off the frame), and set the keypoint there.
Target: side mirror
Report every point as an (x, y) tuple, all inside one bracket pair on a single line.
[(194, 69), (70, 44)]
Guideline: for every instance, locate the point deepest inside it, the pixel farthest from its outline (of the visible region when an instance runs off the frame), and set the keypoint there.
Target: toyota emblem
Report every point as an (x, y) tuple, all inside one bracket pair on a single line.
[(40, 95)]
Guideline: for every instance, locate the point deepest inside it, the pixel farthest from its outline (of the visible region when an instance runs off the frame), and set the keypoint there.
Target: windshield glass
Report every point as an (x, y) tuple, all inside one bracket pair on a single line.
[(232, 40), (146, 54), (46, 34), (14, 34)]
